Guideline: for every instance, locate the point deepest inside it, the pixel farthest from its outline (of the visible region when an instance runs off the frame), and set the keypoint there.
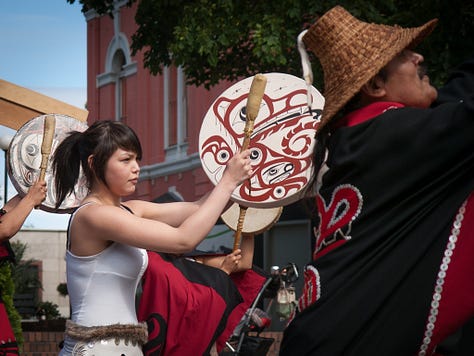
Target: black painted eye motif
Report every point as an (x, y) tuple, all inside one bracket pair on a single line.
[(278, 173), (222, 156), (243, 113), (255, 155)]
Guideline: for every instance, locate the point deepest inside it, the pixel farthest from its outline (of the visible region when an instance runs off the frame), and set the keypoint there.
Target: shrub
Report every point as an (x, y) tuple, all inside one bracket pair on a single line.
[(62, 289), (49, 310)]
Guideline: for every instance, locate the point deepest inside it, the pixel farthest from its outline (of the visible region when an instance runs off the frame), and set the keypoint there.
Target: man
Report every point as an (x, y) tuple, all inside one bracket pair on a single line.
[(394, 162)]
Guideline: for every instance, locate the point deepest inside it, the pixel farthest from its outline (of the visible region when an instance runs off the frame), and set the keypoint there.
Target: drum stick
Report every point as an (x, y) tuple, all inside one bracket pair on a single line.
[(48, 134), (254, 100)]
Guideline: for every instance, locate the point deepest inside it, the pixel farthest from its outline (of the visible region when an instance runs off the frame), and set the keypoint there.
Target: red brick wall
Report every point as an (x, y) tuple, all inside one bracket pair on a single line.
[(41, 343)]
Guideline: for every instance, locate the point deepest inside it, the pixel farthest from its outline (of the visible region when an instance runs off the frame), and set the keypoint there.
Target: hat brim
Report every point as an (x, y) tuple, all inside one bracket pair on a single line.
[(351, 61)]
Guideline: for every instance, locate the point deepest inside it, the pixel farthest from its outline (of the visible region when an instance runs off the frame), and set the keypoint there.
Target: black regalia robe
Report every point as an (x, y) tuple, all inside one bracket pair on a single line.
[(390, 209)]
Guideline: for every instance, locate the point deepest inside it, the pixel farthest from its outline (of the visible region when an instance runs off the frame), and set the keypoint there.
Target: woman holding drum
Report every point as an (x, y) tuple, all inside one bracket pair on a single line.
[(107, 238), (12, 216)]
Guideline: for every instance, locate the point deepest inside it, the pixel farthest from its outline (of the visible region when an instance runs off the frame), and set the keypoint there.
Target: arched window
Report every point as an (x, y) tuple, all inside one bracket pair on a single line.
[(118, 61), (118, 65)]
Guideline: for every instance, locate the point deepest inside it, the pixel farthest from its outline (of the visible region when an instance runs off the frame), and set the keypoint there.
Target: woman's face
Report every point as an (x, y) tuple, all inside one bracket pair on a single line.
[(122, 172), (407, 82)]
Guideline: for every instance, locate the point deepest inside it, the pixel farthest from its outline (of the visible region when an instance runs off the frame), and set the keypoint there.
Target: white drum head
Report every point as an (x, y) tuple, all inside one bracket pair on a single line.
[(24, 160), (281, 143)]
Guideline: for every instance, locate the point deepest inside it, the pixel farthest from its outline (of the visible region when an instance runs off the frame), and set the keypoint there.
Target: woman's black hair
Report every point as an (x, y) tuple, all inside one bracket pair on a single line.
[(100, 140)]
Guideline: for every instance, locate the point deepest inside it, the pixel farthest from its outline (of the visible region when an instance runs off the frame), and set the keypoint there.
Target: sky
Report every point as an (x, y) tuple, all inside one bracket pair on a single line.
[(43, 48)]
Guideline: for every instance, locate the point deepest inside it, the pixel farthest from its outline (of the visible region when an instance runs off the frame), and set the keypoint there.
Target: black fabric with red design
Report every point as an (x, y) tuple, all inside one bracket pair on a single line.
[(187, 305), (410, 170)]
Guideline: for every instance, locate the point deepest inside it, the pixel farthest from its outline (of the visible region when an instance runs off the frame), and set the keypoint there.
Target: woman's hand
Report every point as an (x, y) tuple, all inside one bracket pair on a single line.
[(238, 168), (18, 210), (37, 193), (230, 263)]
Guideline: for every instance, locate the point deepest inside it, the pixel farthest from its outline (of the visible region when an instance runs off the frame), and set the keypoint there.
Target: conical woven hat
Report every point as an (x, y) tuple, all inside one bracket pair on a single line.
[(352, 52)]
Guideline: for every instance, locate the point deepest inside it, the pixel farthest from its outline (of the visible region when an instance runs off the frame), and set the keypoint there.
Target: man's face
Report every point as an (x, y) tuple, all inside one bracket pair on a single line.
[(407, 82)]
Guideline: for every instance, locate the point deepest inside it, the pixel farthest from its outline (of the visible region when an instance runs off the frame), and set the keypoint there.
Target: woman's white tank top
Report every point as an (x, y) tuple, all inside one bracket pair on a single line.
[(102, 287)]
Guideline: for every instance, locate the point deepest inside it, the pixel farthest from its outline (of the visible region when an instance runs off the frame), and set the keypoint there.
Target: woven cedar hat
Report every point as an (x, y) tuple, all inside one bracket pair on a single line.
[(352, 52)]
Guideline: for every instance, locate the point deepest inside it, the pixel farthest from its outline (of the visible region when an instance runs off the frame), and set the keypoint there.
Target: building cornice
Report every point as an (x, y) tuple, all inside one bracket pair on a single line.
[(167, 168)]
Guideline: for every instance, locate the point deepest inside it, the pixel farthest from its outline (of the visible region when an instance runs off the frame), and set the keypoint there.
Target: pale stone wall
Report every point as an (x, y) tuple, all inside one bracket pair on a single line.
[(48, 246)]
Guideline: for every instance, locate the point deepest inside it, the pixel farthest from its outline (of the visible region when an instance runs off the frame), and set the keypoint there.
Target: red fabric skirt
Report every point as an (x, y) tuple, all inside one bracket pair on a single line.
[(8, 344)]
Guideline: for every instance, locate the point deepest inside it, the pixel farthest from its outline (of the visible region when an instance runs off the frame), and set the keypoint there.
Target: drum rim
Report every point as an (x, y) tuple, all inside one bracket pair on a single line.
[(11, 170), (227, 215), (270, 203)]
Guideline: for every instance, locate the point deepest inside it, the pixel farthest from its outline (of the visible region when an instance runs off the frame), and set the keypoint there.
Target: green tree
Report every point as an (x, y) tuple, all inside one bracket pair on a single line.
[(217, 40), (24, 276)]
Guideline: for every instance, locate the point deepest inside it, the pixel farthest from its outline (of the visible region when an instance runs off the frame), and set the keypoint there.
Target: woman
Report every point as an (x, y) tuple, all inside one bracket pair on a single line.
[(107, 238), (12, 217)]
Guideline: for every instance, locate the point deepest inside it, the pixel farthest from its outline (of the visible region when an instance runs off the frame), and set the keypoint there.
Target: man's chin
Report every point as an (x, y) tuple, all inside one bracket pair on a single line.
[(435, 95)]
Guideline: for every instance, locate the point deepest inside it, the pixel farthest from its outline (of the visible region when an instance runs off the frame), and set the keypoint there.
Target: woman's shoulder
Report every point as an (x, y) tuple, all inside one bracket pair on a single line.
[(91, 212), (137, 206)]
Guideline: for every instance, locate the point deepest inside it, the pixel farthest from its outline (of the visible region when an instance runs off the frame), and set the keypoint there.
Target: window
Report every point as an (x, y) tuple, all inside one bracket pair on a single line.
[(174, 113), (118, 65)]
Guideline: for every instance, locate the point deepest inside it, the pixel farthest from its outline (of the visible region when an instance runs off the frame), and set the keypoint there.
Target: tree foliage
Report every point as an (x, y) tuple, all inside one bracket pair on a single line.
[(217, 40), (25, 277)]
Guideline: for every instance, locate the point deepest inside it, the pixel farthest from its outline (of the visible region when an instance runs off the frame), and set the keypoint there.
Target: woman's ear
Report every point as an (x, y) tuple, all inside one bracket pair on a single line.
[(90, 162)]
